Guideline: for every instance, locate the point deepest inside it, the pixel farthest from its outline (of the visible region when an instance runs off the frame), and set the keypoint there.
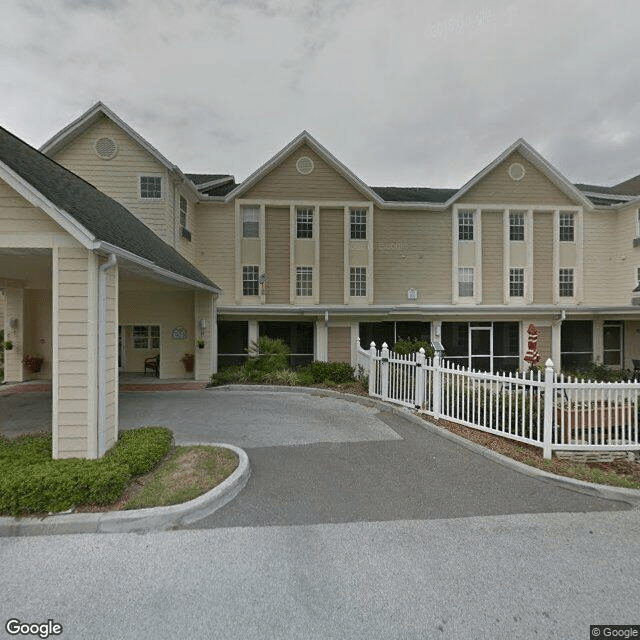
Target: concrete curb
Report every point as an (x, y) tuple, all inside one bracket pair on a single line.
[(138, 520), (630, 497)]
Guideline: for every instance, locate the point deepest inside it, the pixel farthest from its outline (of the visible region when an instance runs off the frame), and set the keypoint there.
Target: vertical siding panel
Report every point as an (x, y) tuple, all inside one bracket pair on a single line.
[(543, 276), (331, 256), (277, 255)]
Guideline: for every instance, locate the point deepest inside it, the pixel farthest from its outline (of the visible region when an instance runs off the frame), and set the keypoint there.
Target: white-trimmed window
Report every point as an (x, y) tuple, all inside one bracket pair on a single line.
[(465, 225), (304, 281), (151, 187), (146, 336), (358, 224), (304, 222), (250, 222), (184, 210), (465, 282), (638, 224), (358, 281), (516, 282), (516, 226), (565, 283), (250, 280), (567, 226)]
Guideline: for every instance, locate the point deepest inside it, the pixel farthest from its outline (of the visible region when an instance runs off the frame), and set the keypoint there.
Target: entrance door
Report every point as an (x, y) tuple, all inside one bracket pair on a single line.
[(612, 344), (480, 347)]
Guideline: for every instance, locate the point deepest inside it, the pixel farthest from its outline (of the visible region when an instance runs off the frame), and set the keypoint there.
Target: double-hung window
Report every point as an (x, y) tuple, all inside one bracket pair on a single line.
[(465, 225), (184, 208), (565, 283), (146, 336), (516, 226), (250, 281), (465, 282), (304, 222), (151, 187), (516, 282), (567, 226), (358, 224), (304, 281), (358, 281), (250, 222)]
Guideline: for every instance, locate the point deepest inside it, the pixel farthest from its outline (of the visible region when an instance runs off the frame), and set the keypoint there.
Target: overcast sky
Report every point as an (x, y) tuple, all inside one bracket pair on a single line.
[(404, 92)]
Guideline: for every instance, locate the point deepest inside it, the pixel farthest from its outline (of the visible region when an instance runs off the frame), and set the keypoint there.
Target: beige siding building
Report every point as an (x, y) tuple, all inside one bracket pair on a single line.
[(303, 250)]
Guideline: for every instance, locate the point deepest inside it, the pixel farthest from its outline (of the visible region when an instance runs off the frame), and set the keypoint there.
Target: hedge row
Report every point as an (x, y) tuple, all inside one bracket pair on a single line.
[(31, 482)]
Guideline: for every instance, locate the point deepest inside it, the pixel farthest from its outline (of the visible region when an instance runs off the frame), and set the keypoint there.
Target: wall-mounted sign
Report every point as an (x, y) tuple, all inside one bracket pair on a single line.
[(412, 294), (179, 333)]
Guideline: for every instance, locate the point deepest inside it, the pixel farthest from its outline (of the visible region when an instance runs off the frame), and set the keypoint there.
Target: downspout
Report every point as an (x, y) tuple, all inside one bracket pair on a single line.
[(102, 351)]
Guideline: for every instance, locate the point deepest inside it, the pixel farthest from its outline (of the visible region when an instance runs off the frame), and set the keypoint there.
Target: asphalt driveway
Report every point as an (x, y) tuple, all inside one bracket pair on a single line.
[(319, 459)]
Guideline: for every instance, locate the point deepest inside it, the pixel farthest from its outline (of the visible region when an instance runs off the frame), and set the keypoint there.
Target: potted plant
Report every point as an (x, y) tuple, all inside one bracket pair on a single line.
[(33, 363), (7, 345), (200, 344), (187, 360)]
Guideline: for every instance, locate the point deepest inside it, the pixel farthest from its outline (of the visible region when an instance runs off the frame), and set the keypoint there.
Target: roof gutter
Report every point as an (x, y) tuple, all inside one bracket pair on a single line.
[(106, 247)]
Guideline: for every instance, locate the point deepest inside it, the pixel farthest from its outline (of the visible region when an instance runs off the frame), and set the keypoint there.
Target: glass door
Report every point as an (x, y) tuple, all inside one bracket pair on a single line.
[(612, 344)]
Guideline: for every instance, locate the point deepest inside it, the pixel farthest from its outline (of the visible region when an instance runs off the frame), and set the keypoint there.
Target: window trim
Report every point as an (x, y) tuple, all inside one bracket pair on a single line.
[(246, 281), (162, 187), (520, 272), (149, 337), (305, 226), (183, 212), (254, 210), (466, 271), (466, 221), (302, 270), (355, 224), (568, 271), (522, 226), (358, 282), (567, 215)]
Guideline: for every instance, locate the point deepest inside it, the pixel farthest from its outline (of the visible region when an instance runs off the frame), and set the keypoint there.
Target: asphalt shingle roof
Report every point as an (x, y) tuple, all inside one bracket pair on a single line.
[(103, 217), (414, 194), (203, 178)]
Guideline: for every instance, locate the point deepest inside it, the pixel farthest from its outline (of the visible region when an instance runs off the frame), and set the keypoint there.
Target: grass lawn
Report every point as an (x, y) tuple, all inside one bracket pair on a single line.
[(184, 474), (142, 470)]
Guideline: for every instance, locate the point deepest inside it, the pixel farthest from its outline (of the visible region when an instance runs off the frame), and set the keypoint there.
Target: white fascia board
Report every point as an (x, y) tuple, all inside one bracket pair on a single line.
[(538, 161), (630, 203), (107, 248), (608, 196), (304, 137), (58, 215), (64, 136)]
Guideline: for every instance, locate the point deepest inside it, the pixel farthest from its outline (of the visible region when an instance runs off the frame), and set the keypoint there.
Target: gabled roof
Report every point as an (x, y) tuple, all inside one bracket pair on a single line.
[(93, 218), (304, 138), (90, 117), (546, 168)]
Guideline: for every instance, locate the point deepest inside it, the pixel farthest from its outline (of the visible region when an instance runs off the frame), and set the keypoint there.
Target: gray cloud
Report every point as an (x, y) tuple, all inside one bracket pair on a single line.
[(403, 92)]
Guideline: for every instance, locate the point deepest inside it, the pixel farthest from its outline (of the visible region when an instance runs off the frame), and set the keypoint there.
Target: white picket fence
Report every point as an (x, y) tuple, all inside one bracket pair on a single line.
[(548, 411)]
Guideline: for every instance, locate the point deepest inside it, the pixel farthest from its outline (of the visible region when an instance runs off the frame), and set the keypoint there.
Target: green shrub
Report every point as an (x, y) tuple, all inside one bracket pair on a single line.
[(266, 356), (406, 346), (229, 375), (597, 372), (57, 485), (287, 377), (31, 482), (305, 378), (336, 372), (140, 450)]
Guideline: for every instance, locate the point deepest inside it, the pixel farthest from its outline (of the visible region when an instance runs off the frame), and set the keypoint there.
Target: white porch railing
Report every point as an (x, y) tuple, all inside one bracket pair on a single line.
[(548, 411)]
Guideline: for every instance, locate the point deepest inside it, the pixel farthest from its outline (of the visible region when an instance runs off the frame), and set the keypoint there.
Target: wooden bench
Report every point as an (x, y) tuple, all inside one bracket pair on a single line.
[(152, 363)]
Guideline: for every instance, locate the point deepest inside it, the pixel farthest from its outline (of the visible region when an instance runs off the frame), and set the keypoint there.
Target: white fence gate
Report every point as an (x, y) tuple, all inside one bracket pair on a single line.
[(548, 411)]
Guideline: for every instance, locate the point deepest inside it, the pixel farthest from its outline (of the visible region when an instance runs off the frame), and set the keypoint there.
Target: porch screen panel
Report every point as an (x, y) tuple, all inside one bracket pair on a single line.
[(298, 336), (576, 344), (233, 340)]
